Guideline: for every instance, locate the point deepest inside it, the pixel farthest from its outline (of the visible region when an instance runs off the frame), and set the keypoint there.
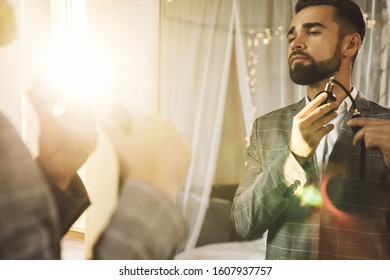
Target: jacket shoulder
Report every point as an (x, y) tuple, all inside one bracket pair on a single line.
[(280, 116)]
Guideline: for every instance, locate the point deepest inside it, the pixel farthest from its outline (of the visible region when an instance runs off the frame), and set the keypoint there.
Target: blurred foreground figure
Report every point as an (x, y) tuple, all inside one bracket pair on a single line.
[(40, 199), (153, 162), (304, 182)]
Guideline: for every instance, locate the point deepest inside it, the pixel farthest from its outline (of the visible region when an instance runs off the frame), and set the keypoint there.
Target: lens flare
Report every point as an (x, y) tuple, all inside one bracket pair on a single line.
[(310, 196), (78, 71)]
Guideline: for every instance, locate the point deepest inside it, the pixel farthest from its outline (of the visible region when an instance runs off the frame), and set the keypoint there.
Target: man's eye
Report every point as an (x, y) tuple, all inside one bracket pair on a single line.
[(314, 33), (290, 39)]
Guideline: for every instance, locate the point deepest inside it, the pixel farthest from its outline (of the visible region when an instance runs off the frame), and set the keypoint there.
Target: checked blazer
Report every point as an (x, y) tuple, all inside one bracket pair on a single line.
[(352, 220), (34, 215)]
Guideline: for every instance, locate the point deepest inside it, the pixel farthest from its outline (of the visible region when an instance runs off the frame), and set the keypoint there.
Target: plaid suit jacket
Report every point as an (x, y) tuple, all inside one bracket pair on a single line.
[(353, 219), (34, 215), (145, 226)]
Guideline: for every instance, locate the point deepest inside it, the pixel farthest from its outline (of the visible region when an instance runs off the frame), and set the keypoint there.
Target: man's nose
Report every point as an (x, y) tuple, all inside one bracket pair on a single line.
[(297, 44)]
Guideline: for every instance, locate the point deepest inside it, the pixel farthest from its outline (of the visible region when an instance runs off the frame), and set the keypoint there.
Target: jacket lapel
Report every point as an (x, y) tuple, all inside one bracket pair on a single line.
[(346, 135)]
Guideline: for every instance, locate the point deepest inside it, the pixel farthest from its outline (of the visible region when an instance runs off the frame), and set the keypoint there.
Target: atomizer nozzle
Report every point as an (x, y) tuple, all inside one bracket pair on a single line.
[(329, 85)]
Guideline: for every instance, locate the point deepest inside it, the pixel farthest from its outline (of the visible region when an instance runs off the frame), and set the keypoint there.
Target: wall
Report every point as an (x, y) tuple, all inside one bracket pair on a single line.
[(232, 152), (128, 30)]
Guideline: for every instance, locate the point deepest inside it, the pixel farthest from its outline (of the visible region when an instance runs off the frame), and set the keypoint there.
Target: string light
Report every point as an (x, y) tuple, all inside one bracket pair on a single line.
[(370, 22), (255, 40)]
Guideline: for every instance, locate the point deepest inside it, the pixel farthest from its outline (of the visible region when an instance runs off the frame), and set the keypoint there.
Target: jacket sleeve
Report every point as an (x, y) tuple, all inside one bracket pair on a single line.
[(264, 193), (146, 225), (71, 203), (29, 226)]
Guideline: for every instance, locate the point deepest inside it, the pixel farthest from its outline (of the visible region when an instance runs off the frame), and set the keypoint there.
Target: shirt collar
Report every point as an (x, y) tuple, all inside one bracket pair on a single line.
[(346, 103)]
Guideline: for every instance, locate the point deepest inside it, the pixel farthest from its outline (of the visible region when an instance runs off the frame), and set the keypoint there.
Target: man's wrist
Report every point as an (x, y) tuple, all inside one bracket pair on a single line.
[(166, 189), (61, 183), (300, 160)]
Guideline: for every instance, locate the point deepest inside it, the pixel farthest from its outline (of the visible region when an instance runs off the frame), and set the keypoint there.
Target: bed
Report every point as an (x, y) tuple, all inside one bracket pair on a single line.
[(218, 239)]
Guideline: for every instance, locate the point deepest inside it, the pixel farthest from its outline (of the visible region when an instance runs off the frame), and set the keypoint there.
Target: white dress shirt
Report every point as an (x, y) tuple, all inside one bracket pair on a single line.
[(326, 144)]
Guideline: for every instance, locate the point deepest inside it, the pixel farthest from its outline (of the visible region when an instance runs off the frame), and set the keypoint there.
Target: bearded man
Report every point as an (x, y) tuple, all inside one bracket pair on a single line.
[(303, 181)]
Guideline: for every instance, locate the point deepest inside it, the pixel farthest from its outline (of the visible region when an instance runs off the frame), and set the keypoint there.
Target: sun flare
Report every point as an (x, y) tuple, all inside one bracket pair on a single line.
[(77, 71)]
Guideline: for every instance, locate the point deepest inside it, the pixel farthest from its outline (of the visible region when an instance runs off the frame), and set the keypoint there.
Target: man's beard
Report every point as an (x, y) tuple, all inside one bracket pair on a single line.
[(315, 72)]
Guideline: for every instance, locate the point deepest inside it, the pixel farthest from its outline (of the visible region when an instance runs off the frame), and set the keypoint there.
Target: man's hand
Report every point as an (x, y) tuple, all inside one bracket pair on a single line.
[(375, 133), (65, 142), (150, 150), (309, 126)]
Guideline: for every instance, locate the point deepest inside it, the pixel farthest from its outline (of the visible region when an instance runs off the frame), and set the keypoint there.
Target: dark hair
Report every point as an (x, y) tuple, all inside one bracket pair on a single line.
[(348, 14)]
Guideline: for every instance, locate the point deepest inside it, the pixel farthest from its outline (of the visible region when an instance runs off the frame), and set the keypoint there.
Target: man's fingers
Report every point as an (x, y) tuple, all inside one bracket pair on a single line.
[(324, 120), (41, 107), (367, 121), (369, 126), (325, 130), (313, 104), (122, 117), (116, 134)]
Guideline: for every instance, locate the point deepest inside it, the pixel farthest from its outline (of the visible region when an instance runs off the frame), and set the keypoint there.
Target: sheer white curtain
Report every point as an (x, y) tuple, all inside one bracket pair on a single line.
[(196, 44), (196, 49), (261, 53), (371, 70), (129, 31)]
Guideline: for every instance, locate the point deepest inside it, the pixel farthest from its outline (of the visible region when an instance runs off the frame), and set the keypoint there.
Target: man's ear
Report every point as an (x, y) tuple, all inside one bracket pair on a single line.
[(351, 44)]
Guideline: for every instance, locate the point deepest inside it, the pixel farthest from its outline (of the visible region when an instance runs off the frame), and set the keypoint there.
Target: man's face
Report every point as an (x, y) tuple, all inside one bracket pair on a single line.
[(315, 51)]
